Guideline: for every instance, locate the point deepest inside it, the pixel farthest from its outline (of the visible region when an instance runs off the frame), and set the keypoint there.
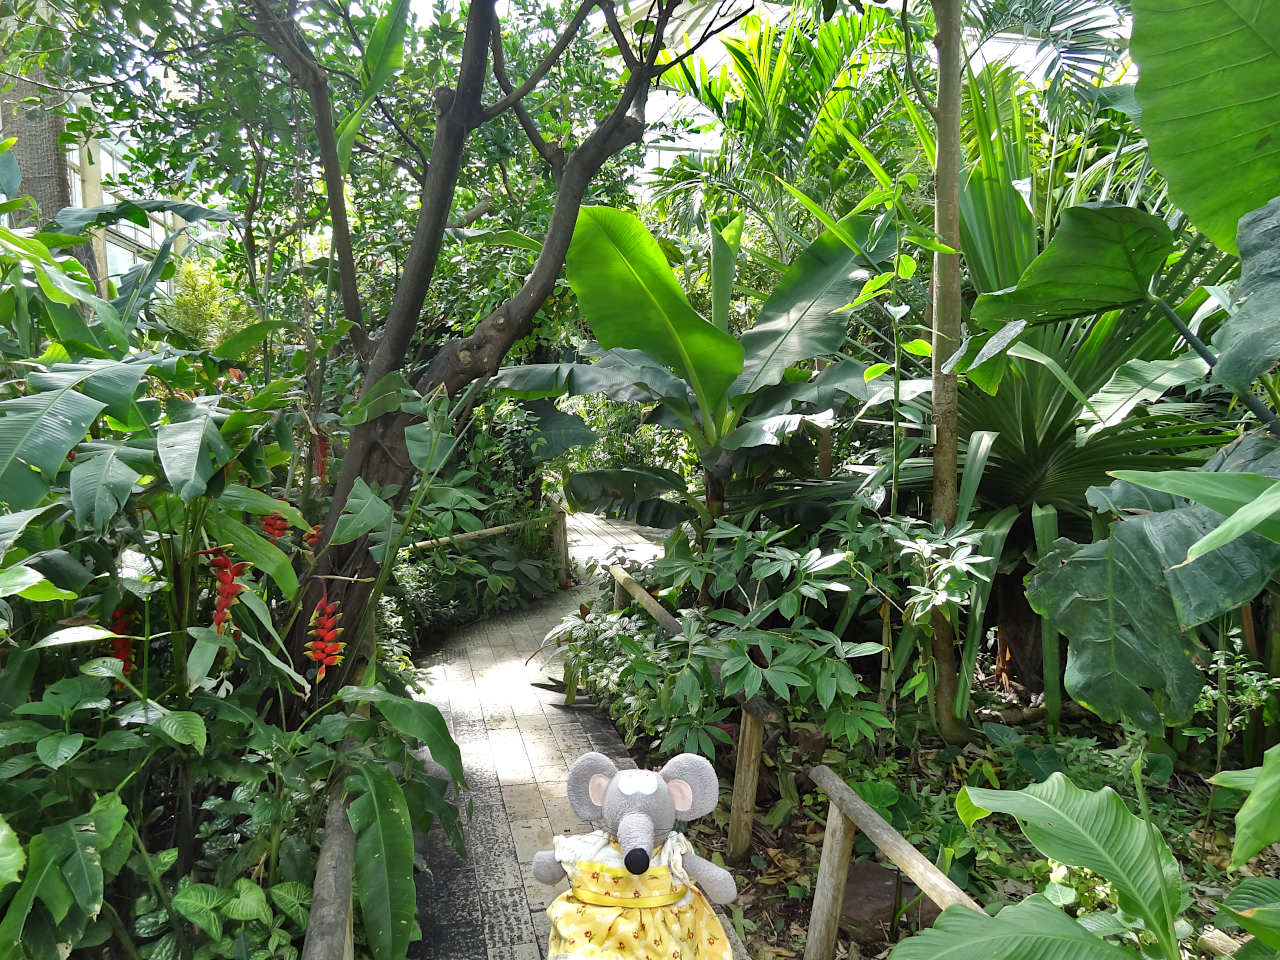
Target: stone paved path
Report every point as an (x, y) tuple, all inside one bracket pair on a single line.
[(517, 741)]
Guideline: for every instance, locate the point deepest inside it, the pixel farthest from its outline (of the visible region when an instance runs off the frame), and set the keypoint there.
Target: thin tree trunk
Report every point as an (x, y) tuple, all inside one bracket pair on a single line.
[(946, 338)]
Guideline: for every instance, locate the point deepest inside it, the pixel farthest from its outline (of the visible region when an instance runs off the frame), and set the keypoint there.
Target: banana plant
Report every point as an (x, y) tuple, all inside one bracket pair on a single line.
[(726, 393), (1094, 830)]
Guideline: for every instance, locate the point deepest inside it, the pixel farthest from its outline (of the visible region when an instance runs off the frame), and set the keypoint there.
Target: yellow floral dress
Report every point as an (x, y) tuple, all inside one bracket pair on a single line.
[(611, 914)]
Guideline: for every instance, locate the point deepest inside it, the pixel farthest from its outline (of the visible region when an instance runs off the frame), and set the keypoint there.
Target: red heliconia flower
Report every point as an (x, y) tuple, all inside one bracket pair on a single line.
[(312, 536), (275, 526), (322, 456), (229, 588), (122, 621), (326, 649)]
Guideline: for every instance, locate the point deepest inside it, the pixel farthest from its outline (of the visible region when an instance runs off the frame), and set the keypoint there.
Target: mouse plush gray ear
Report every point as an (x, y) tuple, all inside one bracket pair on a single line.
[(588, 780), (694, 786)]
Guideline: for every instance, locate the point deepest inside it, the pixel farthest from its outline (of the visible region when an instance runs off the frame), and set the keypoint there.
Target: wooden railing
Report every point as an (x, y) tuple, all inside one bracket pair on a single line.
[(555, 519), (848, 812)]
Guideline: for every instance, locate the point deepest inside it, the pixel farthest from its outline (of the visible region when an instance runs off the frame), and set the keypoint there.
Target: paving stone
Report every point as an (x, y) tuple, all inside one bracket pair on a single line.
[(530, 836), (506, 917), (523, 801), (518, 951)]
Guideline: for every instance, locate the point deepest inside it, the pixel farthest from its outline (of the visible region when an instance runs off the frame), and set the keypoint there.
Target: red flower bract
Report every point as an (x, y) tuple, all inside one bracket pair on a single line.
[(225, 571), (326, 648), (122, 621), (275, 526)]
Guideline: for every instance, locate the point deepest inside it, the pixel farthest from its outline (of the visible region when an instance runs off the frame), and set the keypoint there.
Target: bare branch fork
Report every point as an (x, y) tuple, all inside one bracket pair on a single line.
[(377, 451)]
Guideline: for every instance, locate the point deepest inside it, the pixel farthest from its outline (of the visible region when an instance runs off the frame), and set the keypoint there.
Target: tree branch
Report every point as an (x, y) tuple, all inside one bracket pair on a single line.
[(552, 153), (549, 61), (283, 38), (923, 97), (619, 35)]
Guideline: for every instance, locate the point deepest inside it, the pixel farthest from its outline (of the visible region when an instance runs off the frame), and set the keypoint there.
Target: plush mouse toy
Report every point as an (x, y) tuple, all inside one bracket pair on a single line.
[(632, 889)]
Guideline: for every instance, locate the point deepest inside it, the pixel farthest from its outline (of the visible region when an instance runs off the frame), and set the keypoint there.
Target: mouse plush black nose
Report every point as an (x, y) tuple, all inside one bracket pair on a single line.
[(637, 861)]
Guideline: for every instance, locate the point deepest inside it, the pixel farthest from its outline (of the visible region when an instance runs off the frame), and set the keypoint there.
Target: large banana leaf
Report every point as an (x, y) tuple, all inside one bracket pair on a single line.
[(190, 451), (557, 431), (100, 485), (632, 493), (630, 376), (1102, 256), (1031, 930), (1249, 342), (1258, 821), (384, 888), (1094, 830), (1209, 86), (632, 299), (800, 321), (36, 433)]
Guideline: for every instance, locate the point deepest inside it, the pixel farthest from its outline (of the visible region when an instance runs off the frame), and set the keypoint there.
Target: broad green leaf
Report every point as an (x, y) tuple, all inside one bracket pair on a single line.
[(1139, 382), (632, 493), (36, 432), (237, 497), (1095, 830), (80, 219), (1248, 343), (429, 447), (1034, 928), (800, 321), (202, 654), (252, 546), (384, 862), (68, 635), (249, 902), (1237, 779), (57, 748), (726, 240), (1255, 905), (12, 525), (1127, 653), (17, 578), (111, 381), (364, 512), (77, 848), (12, 856), (1208, 75), (1258, 821), (190, 451), (1101, 257), (292, 899), (383, 397), (41, 865), (416, 719), (183, 726), (242, 341), (1225, 493), (199, 903), (556, 431), (100, 487), (631, 299)]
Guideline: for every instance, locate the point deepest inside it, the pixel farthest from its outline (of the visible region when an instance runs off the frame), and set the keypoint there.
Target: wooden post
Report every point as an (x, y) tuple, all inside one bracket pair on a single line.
[(828, 889), (560, 543), (935, 884), (746, 776)]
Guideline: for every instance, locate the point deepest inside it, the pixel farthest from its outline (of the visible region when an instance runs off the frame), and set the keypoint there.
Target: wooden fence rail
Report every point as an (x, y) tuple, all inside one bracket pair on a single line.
[(847, 814), (556, 519)]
